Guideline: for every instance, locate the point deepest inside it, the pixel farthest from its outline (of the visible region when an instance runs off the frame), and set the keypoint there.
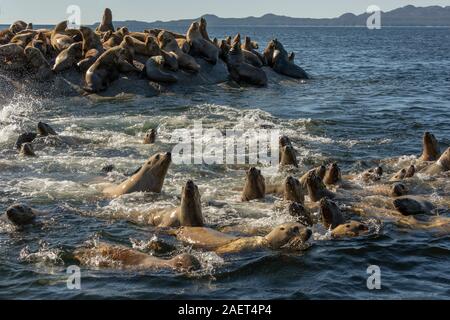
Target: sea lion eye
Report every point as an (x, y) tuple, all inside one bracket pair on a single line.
[(282, 229), (296, 229)]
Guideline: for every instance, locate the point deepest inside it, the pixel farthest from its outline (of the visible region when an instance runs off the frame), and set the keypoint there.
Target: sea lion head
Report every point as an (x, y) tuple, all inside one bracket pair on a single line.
[(251, 44), (20, 214), (203, 24), (18, 26), (321, 172), (152, 45), (285, 141), (333, 174), (288, 156), (293, 190), (27, 150), (330, 213), (350, 229), (26, 137), (150, 136), (373, 174), (191, 207), (315, 186), (409, 206), (410, 172), (185, 263), (157, 167), (399, 175), (444, 160), (40, 42), (288, 235), (301, 214), (165, 38), (255, 185), (398, 190), (45, 130), (431, 150)]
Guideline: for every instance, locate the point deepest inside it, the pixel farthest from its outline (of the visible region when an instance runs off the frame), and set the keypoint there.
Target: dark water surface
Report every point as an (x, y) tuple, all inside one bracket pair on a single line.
[(372, 96)]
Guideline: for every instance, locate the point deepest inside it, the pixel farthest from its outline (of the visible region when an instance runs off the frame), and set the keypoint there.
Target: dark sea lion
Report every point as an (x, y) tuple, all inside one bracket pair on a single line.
[(442, 165), (331, 214), (398, 190), (168, 43), (409, 205), (301, 214), (107, 22), (255, 186), (69, 57), (242, 72), (289, 236), (373, 174), (5, 36), (132, 259), (26, 137), (200, 46), (150, 178), (60, 40), (188, 214), (278, 59), (316, 188), (154, 70), (203, 25), (431, 150), (333, 175), (252, 46), (92, 48), (293, 190), (21, 215), (39, 41), (150, 136), (18, 26), (288, 156), (26, 150), (45, 130), (38, 64)]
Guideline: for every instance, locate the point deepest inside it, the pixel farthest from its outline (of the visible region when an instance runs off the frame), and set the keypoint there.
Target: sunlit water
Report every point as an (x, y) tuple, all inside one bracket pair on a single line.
[(372, 96)]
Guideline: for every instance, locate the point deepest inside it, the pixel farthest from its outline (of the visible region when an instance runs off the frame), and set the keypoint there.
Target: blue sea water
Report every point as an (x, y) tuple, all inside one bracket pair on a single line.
[(372, 96)]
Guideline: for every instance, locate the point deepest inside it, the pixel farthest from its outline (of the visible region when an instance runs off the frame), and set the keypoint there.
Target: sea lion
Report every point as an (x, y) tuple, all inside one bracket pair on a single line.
[(349, 230), (252, 46), (26, 137), (290, 190), (168, 43), (154, 70), (184, 45), (409, 205), (26, 150), (5, 36), (45, 130), (278, 58), (249, 56), (394, 190), (18, 26), (150, 137), (203, 25), (128, 258), (68, 57), (330, 214), (319, 171), (107, 69), (39, 41), (289, 235), (21, 215), (92, 48), (188, 214), (373, 174), (200, 46), (404, 173), (288, 156), (255, 186), (111, 39), (150, 178), (431, 150), (107, 22), (240, 71), (147, 48), (316, 188), (301, 214), (333, 175), (59, 39), (442, 165), (38, 64)]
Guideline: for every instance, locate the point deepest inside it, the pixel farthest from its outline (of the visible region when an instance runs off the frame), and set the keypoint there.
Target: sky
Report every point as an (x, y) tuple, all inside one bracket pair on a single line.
[(53, 11)]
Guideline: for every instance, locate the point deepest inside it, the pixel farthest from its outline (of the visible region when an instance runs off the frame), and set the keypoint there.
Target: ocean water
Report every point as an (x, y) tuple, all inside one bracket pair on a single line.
[(371, 97)]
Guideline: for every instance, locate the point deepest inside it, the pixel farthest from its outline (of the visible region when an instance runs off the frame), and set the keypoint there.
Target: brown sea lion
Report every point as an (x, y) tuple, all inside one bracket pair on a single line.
[(333, 175), (249, 56), (301, 214), (431, 150), (18, 26), (154, 70), (203, 25), (45, 130), (126, 258), (240, 71), (289, 236), (255, 186), (252, 46), (331, 214), (39, 41), (69, 57), (150, 137), (26, 150), (319, 171), (290, 190), (168, 43), (442, 165), (404, 173), (188, 214), (184, 45), (5, 36), (150, 178), (200, 46), (278, 58), (316, 188), (112, 39), (288, 156), (107, 20), (349, 230), (92, 48), (59, 38), (372, 175), (410, 205)]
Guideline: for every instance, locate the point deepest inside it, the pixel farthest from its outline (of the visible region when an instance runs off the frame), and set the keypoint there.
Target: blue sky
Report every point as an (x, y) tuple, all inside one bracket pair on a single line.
[(51, 11)]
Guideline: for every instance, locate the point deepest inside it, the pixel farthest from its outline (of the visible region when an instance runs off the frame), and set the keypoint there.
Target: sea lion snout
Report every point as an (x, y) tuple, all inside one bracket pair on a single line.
[(399, 189), (45, 130), (20, 214), (186, 263)]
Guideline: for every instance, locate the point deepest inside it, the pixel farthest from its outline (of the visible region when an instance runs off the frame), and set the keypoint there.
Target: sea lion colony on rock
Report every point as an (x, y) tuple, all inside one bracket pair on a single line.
[(301, 196), (41, 54)]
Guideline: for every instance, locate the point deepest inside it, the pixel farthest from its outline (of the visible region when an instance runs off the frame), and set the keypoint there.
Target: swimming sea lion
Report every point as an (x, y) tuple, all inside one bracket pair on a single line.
[(255, 186), (150, 178), (107, 20), (188, 214), (289, 235), (168, 43), (442, 165), (240, 71), (200, 46), (288, 156), (290, 190), (316, 188), (349, 230), (404, 173), (330, 213), (45, 130), (21, 215), (409, 205), (301, 214), (26, 150), (133, 259), (319, 171), (150, 137), (68, 57), (333, 175), (373, 174), (431, 150), (26, 137), (278, 59)]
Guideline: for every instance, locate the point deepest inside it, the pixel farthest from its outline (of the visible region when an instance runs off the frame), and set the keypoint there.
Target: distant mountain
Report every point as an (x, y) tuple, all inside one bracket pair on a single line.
[(405, 16)]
